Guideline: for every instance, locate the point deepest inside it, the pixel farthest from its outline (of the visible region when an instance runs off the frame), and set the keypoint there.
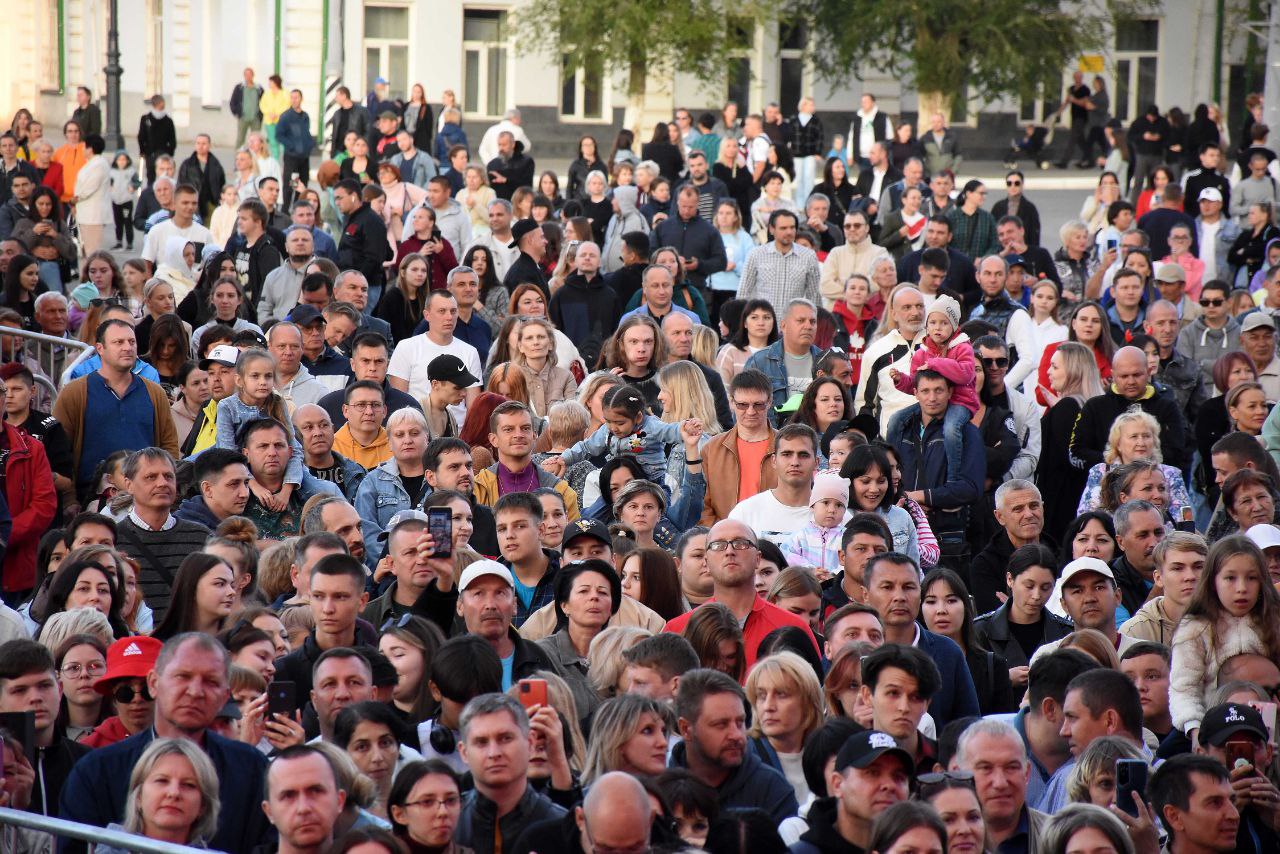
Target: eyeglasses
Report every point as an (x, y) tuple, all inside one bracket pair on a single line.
[(368, 404), (125, 693), (450, 802), (1179, 236), (854, 226), (738, 544), (100, 302), (1214, 303), (995, 361), (75, 671), (929, 784), (742, 406)]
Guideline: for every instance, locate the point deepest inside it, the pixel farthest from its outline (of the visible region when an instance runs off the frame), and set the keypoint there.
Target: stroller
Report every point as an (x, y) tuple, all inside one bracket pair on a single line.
[(1034, 144)]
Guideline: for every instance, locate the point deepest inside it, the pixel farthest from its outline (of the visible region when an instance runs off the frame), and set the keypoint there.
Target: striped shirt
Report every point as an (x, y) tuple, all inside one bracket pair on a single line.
[(780, 278)]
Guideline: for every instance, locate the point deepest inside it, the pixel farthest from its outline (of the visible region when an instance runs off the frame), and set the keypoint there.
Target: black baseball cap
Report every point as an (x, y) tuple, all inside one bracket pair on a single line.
[(449, 368), (1228, 719), (863, 748), (520, 229), (584, 527), (305, 315)]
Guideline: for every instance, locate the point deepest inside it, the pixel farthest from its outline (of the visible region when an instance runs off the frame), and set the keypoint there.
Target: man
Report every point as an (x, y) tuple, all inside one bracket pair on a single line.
[(1258, 341), (923, 460), (780, 270), (710, 189), (1147, 666), (266, 445), (1206, 177), (369, 361), (1090, 597), (1149, 134), (350, 117), (1012, 234), (865, 535), (1019, 510), (1257, 187), (1130, 385), (1100, 702), (283, 285), (912, 176), (498, 239), (335, 593), (19, 411), (316, 435), (156, 135), (518, 517), (868, 127), (789, 361), (294, 381), (817, 212), (293, 135), (876, 177), (1077, 98), (739, 456), (469, 327), (486, 601), (156, 196), (190, 686), (29, 683), (755, 144), (1215, 233), (511, 123), (222, 479), (382, 139), (1211, 334), (186, 202), (898, 683), (51, 316), (1016, 204), (994, 753), (495, 744), (697, 241), (1177, 371), (204, 171), (586, 308), (303, 213), (449, 465), (654, 667), (1009, 317), (342, 677), (511, 168), (452, 219), (657, 291), (416, 167), (18, 205), (997, 390), (712, 712), (1194, 798), (324, 362), (256, 255), (303, 800), (1139, 529), (411, 568), (960, 274), (363, 439), (1159, 221), (11, 166), (851, 623), (775, 514), (877, 398), (363, 245), (1126, 313), (353, 288), (412, 356), (1178, 560), (1270, 292), (527, 237), (512, 435), (893, 589), (244, 105), (1228, 728), (855, 254), (112, 408)]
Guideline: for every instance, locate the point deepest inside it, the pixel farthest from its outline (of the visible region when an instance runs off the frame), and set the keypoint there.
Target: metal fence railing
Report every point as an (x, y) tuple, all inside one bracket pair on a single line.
[(44, 349), (61, 828)]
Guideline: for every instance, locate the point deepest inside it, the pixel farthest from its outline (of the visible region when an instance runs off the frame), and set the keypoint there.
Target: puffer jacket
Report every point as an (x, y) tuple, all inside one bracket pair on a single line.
[(1198, 652), (814, 546), (32, 501), (1149, 623)]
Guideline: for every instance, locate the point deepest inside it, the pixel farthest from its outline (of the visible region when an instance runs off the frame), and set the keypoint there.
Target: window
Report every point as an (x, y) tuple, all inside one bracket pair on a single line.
[(1137, 67), (792, 38), (157, 38), (484, 50), (741, 32), (386, 48), (49, 32), (583, 91)]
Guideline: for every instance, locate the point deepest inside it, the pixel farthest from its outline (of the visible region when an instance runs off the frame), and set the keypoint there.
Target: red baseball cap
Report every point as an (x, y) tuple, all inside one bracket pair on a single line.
[(128, 658)]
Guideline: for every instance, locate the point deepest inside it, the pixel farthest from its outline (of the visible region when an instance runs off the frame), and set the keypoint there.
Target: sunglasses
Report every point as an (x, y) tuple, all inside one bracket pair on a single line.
[(1214, 303), (750, 407), (1013, 183), (393, 623), (995, 361), (125, 693)]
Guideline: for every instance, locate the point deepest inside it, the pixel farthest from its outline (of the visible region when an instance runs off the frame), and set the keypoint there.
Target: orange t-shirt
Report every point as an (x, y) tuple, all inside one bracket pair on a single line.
[(750, 456)]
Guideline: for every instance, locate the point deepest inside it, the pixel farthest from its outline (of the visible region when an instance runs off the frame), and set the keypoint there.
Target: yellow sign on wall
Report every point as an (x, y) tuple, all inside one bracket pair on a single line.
[(1092, 63)]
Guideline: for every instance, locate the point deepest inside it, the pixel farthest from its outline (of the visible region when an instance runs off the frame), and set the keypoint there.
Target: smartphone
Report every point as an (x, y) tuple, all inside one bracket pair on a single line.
[(1268, 712), (533, 692), (1112, 243), (22, 726), (1131, 779), (1187, 524), (1237, 750), (440, 527), (282, 698)]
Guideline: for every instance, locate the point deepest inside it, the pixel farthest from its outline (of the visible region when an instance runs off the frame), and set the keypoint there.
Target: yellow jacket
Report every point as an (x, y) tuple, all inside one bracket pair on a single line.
[(486, 488), (273, 103), (368, 456)]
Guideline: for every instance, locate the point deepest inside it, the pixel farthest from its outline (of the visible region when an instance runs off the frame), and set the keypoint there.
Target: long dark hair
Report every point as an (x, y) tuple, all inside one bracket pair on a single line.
[(64, 581), (740, 338), (43, 192), (659, 582), (606, 474), (105, 709), (168, 327), (660, 134), (18, 265), (968, 639), (408, 778), (625, 140), (489, 280), (808, 404), (181, 616), (861, 459), (1065, 555)]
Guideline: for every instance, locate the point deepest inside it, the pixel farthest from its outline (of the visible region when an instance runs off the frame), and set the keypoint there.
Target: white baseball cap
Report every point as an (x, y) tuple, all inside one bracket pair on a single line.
[(482, 568), (1264, 536), (1085, 564)]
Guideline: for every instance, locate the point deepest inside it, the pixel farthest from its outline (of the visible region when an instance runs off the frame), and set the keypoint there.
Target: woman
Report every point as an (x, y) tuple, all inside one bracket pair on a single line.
[(267, 164), (124, 682), (759, 329), (635, 352), (196, 307), (410, 644), (426, 240), (1079, 828), (1135, 435), (1247, 408), (660, 150), (716, 636), (527, 301), (157, 301), (737, 245), (616, 473), (1249, 498), (786, 701), (836, 187), (547, 383), (884, 276), (226, 300), (596, 204), (1089, 326), (357, 166), (84, 583), (649, 576), (905, 146), (643, 506), (902, 231), (1093, 213), (493, 296), (402, 306), (1093, 779), (869, 471), (45, 219), (92, 197), (370, 734), (424, 804), (1249, 251), (956, 801), (1076, 265), (683, 393), (48, 170), (79, 661), (168, 348), (947, 610), (628, 734), (856, 321), (1149, 198), (975, 228), (173, 796), (842, 689), (192, 385), (21, 287), (244, 176), (588, 594), (1045, 330), (908, 827), (251, 649), (475, 195), (417, 118), (770, 200), (1212, 421), (204, 595), (587, 161), (398, 483), (1021, 625), (824, 403), (402, 197), (798, 591)]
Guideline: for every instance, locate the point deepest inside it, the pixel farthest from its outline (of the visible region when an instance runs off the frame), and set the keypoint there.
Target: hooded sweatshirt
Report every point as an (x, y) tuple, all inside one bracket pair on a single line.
[(628, 218), (1255, 284), (173, 268), (1204, 345)]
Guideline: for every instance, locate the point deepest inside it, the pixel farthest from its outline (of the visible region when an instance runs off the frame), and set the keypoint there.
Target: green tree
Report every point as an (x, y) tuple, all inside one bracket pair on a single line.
[(992, 48), (643, 38)]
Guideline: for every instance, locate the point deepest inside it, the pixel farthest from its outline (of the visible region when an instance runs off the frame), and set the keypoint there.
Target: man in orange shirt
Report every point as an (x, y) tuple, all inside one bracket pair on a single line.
[(740, 456)]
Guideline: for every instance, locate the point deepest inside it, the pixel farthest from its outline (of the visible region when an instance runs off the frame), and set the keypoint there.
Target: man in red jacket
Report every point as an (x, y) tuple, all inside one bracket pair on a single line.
[(28, 488)]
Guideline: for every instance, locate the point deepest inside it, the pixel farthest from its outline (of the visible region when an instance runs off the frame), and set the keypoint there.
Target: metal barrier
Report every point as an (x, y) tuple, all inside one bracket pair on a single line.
[(44, 351), (60, 827)]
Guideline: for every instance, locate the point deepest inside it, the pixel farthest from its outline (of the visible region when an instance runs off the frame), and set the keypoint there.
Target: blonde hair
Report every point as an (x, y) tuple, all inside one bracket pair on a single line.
[(567, 422), (206, 823), (560, 697), (78, 621), (790, 668), (690, 395), (547, 327), (274, 567), (705, 345), (1084, 381), (604, 657), (613, 725), (1098, 758), (361, 791), (1094, 644), (1111, 455)]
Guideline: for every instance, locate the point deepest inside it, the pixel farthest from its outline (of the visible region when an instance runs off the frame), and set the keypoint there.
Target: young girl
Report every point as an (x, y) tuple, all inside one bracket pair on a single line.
[(133, 277), (256, 397), (1234, 609), (817, 544), (627, 429), (223, 222), (124, 183), (944, 344)]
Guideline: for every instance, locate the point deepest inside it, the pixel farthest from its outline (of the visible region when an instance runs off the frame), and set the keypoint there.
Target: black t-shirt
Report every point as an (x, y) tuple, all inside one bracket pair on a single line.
[(413, 486), (49, 432), (1029, 636), (335, 474), (1078, 113)]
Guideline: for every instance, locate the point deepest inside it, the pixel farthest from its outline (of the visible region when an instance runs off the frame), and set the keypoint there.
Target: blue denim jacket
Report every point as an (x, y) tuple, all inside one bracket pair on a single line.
[(381, 495), (773, 364)]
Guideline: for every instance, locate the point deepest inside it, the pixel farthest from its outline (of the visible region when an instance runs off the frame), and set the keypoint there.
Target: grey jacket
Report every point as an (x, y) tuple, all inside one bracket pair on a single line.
[(1204, 346), (280, 291)]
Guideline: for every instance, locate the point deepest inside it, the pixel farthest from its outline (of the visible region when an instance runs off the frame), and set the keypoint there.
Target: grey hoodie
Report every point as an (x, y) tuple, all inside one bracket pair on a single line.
[(454, 223), (1204, 346), (627, 219)]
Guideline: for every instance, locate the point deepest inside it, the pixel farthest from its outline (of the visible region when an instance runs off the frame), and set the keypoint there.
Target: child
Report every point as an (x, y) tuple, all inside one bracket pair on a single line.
[(837, 149), (124, 183), (1235, 609), (627, 429), (134, 275), (943, 341), (818, 543), (256, 397), (840, 446), (222, 225)]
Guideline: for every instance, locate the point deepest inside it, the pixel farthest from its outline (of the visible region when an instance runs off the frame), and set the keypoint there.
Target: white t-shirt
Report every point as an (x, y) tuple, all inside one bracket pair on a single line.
[(770, 518), (1209, 248), (162, 231), (413, 355)]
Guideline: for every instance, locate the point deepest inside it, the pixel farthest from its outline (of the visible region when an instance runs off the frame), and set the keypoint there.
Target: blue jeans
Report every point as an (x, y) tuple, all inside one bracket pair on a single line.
[(952, 433)]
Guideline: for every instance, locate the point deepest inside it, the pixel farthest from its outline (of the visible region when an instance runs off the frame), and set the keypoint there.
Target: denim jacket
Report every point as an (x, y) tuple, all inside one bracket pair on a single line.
[(772, 363), (381, 495)]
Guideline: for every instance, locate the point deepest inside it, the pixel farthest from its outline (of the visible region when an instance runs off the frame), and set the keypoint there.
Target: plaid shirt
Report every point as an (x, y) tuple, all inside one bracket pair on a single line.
[(974, 235), (805, 140), (544, 592), (768, 274)]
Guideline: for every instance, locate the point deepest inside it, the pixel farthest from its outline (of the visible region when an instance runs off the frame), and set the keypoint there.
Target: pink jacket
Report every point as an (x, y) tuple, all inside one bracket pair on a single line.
[(955, 363)]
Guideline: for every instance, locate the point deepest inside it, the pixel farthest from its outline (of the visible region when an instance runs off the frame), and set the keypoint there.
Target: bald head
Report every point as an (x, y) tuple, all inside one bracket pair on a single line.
[(616, 815), (587, 259), (308, 411), (1129, 372), (678, 330), (1161, 308), (1248, 667)]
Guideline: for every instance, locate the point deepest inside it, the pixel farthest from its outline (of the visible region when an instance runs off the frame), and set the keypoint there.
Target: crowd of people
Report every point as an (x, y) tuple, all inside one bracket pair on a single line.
[(757, 490)]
